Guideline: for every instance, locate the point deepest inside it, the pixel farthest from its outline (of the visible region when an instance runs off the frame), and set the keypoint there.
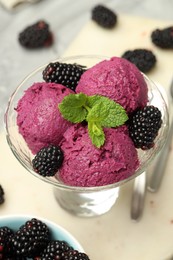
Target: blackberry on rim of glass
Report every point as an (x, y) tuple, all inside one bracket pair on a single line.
[(63, 73), (144, 125), (48, 160)]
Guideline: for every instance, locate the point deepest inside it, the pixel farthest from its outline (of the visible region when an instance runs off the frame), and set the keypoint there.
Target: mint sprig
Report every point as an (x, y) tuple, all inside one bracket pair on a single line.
[(97, 110)]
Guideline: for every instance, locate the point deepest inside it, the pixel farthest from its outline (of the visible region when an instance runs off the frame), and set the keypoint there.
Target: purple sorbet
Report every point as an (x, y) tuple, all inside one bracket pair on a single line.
[(38, 117), (117, 79), (85, 165)]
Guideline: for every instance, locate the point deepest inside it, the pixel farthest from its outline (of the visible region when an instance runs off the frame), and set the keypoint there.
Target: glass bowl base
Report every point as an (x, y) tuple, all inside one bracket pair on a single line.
[(86, 204)]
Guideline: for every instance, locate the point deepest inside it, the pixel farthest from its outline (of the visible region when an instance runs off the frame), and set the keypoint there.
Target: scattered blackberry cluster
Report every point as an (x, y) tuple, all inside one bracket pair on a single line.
[(66, 255), (144, 125), (5, 249), (63, 73), (48, 160), (1, 195), (55, 248), (36, 36), (30, 239), (74, 255), (104, 17), (33, 240), (163, 38), (144, 59)]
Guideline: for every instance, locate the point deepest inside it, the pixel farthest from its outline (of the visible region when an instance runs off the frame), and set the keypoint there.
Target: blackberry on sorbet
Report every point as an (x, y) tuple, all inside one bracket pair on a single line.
[(104, 16), (48, 160), (144, 59), (144, 125), (63, 73)]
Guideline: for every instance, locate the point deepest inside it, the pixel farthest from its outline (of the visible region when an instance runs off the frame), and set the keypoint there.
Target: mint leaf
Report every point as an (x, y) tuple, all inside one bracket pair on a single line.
[(93, 100), (98, 111), (73, 108), (96, 134), (105, 111)]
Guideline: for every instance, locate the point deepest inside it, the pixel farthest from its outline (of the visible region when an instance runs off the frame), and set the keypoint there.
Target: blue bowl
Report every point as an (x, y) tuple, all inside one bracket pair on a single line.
[(57, 232)]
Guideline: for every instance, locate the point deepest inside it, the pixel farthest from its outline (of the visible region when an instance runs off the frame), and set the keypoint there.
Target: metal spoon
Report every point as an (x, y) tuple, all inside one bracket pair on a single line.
[(139, 188), (160, 166), (138, 196)]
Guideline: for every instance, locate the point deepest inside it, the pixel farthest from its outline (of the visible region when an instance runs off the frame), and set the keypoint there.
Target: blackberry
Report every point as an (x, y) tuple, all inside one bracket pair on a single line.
[(104, 16), (63, 73), (1, 195), (75, 255), (163, 38), (142, 58), (14, 258), (36, 35), (55, 250), (30, 239), (5, 233), (48, 160), (144, 125)]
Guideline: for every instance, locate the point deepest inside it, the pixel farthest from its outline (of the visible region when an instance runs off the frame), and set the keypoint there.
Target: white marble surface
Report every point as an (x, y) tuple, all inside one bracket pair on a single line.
[(112, 235)]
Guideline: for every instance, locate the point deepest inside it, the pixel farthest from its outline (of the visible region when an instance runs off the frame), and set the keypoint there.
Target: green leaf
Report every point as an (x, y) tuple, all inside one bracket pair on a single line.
[(73, 108), (96, 113), (105, 111), (116, 115), (96, 134), (93, 100), (98, 110)]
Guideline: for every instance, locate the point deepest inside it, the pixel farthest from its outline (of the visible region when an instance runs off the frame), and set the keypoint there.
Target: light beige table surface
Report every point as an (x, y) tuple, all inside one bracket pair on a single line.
[(113, 235)]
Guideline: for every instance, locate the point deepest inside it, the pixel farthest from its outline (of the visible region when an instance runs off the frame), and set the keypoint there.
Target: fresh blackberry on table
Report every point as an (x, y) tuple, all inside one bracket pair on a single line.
[(5, 234), (63, 73), (144, 59), (104, 16), (163, 38), (144, 125), (30, 239), (55, 250), (36, 36), (2, 195), (74, 255), (48, 160), (14, 257)]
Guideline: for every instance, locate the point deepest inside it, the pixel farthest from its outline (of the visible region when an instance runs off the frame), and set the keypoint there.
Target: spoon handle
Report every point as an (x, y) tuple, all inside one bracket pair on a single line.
[(138, 196), (160, 166)]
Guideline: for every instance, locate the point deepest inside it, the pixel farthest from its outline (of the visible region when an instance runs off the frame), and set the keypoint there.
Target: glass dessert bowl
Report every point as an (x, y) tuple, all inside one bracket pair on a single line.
[(79, 200)]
